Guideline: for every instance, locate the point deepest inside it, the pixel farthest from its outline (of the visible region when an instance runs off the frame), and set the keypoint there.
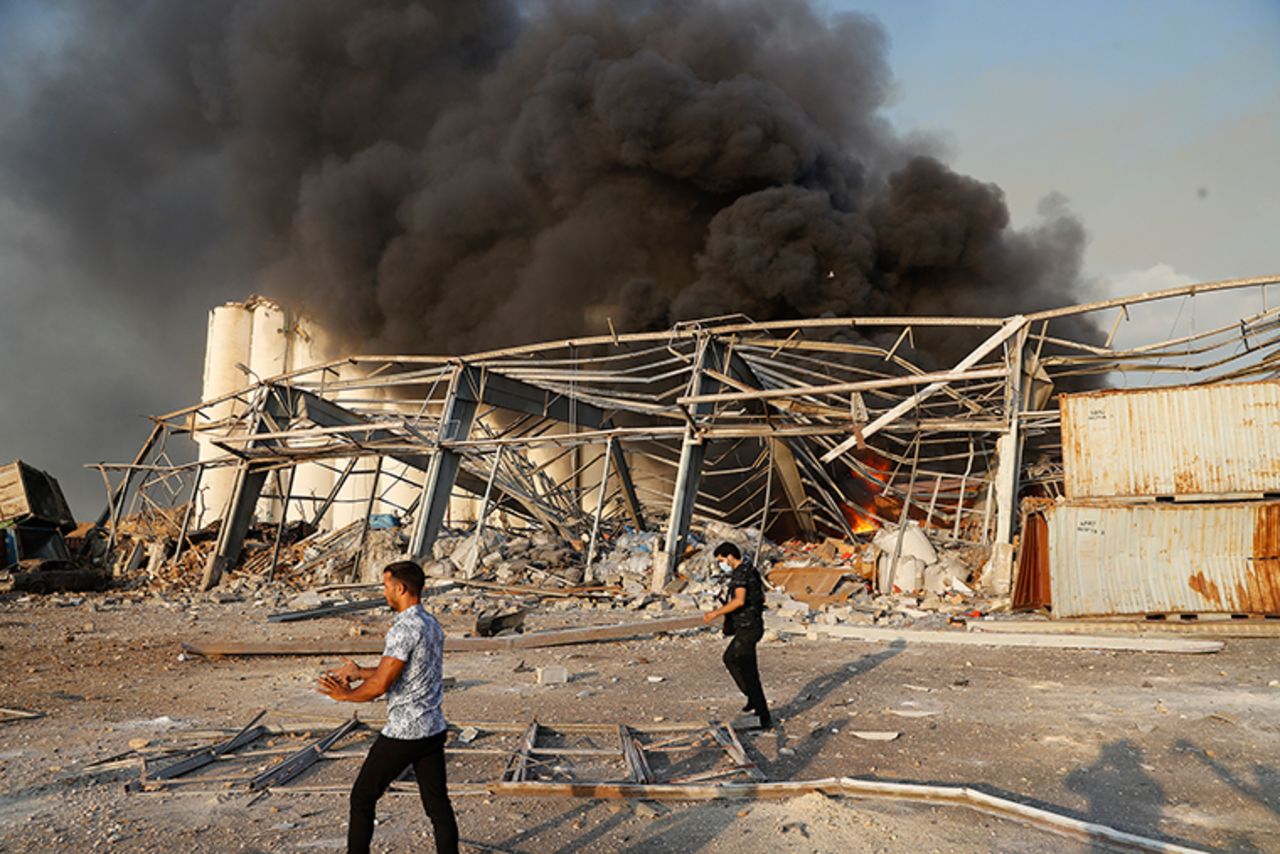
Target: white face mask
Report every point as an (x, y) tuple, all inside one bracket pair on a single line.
[(724, 566)]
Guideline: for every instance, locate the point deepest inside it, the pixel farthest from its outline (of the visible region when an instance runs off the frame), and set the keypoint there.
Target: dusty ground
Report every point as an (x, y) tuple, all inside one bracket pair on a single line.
[(1184, 748)]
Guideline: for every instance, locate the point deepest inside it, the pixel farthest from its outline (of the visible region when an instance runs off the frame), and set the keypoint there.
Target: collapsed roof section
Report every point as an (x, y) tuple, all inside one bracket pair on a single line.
[(824, 425)]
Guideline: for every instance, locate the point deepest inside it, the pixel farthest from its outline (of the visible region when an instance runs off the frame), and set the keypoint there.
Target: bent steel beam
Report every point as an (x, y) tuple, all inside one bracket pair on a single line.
[(274, 410), (326, 413), (784, 450), (689, 473), (1014, 324), (208, 756), (442, 471), (495, 389), (298, 762)]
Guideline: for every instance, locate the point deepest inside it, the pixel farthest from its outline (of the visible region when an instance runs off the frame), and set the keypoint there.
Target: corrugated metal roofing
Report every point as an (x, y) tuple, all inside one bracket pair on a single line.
[(1110, 558), (1190, 440)]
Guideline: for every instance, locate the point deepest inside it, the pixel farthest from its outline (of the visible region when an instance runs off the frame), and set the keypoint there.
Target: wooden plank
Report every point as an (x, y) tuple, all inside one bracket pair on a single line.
[(364, 646), (1041, 641), (731, 745), (397, 788), (572, 751), (672, 743), (324, 646)]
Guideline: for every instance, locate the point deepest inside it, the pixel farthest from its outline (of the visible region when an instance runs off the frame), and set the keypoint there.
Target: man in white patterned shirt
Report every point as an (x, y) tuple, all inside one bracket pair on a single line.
[(410, 675)]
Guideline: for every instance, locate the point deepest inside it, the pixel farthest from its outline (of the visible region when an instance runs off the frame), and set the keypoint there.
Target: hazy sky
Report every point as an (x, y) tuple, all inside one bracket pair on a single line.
[(1159, 121)]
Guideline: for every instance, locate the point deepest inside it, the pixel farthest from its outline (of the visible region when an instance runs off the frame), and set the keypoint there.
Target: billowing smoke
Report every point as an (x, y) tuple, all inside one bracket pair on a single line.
[(443, 176)]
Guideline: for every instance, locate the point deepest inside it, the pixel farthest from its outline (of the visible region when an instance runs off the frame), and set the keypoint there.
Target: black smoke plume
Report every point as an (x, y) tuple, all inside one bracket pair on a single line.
[(443, 176)]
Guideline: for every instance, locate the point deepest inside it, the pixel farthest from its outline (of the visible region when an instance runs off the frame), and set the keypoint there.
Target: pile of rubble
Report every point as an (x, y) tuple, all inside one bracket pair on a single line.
[(147, 553), (898, 577), (833, 582)]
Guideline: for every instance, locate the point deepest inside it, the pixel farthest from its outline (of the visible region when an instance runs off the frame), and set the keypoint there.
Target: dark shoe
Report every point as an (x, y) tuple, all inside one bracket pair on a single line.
[(748, 708), (766, 721)]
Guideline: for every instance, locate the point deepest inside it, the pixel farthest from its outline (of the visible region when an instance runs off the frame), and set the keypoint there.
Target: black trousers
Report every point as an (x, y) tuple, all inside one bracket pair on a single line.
[(387, 759), (740, 660)]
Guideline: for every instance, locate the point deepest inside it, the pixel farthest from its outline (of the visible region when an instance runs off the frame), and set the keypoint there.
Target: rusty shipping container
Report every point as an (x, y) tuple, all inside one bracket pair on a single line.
[(1189, 440), (1107, 557)]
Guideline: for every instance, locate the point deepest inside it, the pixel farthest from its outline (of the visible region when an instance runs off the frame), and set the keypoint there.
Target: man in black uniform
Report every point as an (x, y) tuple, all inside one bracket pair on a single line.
[(743, 610)]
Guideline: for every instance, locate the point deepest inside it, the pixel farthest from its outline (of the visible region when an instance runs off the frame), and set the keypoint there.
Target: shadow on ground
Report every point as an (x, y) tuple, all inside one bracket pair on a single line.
[(1263, 789)]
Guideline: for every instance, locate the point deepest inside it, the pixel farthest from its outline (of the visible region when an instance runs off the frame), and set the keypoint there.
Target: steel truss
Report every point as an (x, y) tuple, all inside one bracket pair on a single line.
[(802, 427)]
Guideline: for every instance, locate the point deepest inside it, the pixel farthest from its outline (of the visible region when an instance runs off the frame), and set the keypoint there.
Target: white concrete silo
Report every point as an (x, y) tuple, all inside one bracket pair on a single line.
[(312, 482), (227, 348), (269, 357)]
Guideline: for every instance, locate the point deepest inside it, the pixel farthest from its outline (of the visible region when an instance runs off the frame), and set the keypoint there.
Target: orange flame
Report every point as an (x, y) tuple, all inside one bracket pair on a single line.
[(870, 480)]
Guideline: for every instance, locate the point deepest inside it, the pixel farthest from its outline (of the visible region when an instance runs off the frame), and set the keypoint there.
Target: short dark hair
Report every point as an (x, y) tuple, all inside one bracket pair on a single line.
[(728, 550), (409, 574)]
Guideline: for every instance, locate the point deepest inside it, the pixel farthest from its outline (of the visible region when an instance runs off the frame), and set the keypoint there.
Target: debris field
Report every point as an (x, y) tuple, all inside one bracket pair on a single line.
[(1007, 608)]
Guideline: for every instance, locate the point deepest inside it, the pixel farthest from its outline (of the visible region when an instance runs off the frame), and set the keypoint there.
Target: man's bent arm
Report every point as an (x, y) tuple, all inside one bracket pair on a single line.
[(375, 684), (739, 599), (351, 670)]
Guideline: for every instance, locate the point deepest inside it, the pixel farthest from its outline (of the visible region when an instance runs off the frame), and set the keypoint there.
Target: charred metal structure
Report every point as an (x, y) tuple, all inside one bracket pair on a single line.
[(801, 427)]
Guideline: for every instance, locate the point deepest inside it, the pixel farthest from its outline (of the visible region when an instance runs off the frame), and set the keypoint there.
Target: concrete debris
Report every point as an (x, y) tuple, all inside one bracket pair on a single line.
[(503, 574), (553, 674)]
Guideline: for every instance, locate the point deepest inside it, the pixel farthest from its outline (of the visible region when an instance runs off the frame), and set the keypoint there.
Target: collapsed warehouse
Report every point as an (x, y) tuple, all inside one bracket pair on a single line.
[(900, 481), (609, 460)]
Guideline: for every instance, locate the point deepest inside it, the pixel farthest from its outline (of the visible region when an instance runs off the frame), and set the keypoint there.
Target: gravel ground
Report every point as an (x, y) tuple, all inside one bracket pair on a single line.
[(1185, 748)]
